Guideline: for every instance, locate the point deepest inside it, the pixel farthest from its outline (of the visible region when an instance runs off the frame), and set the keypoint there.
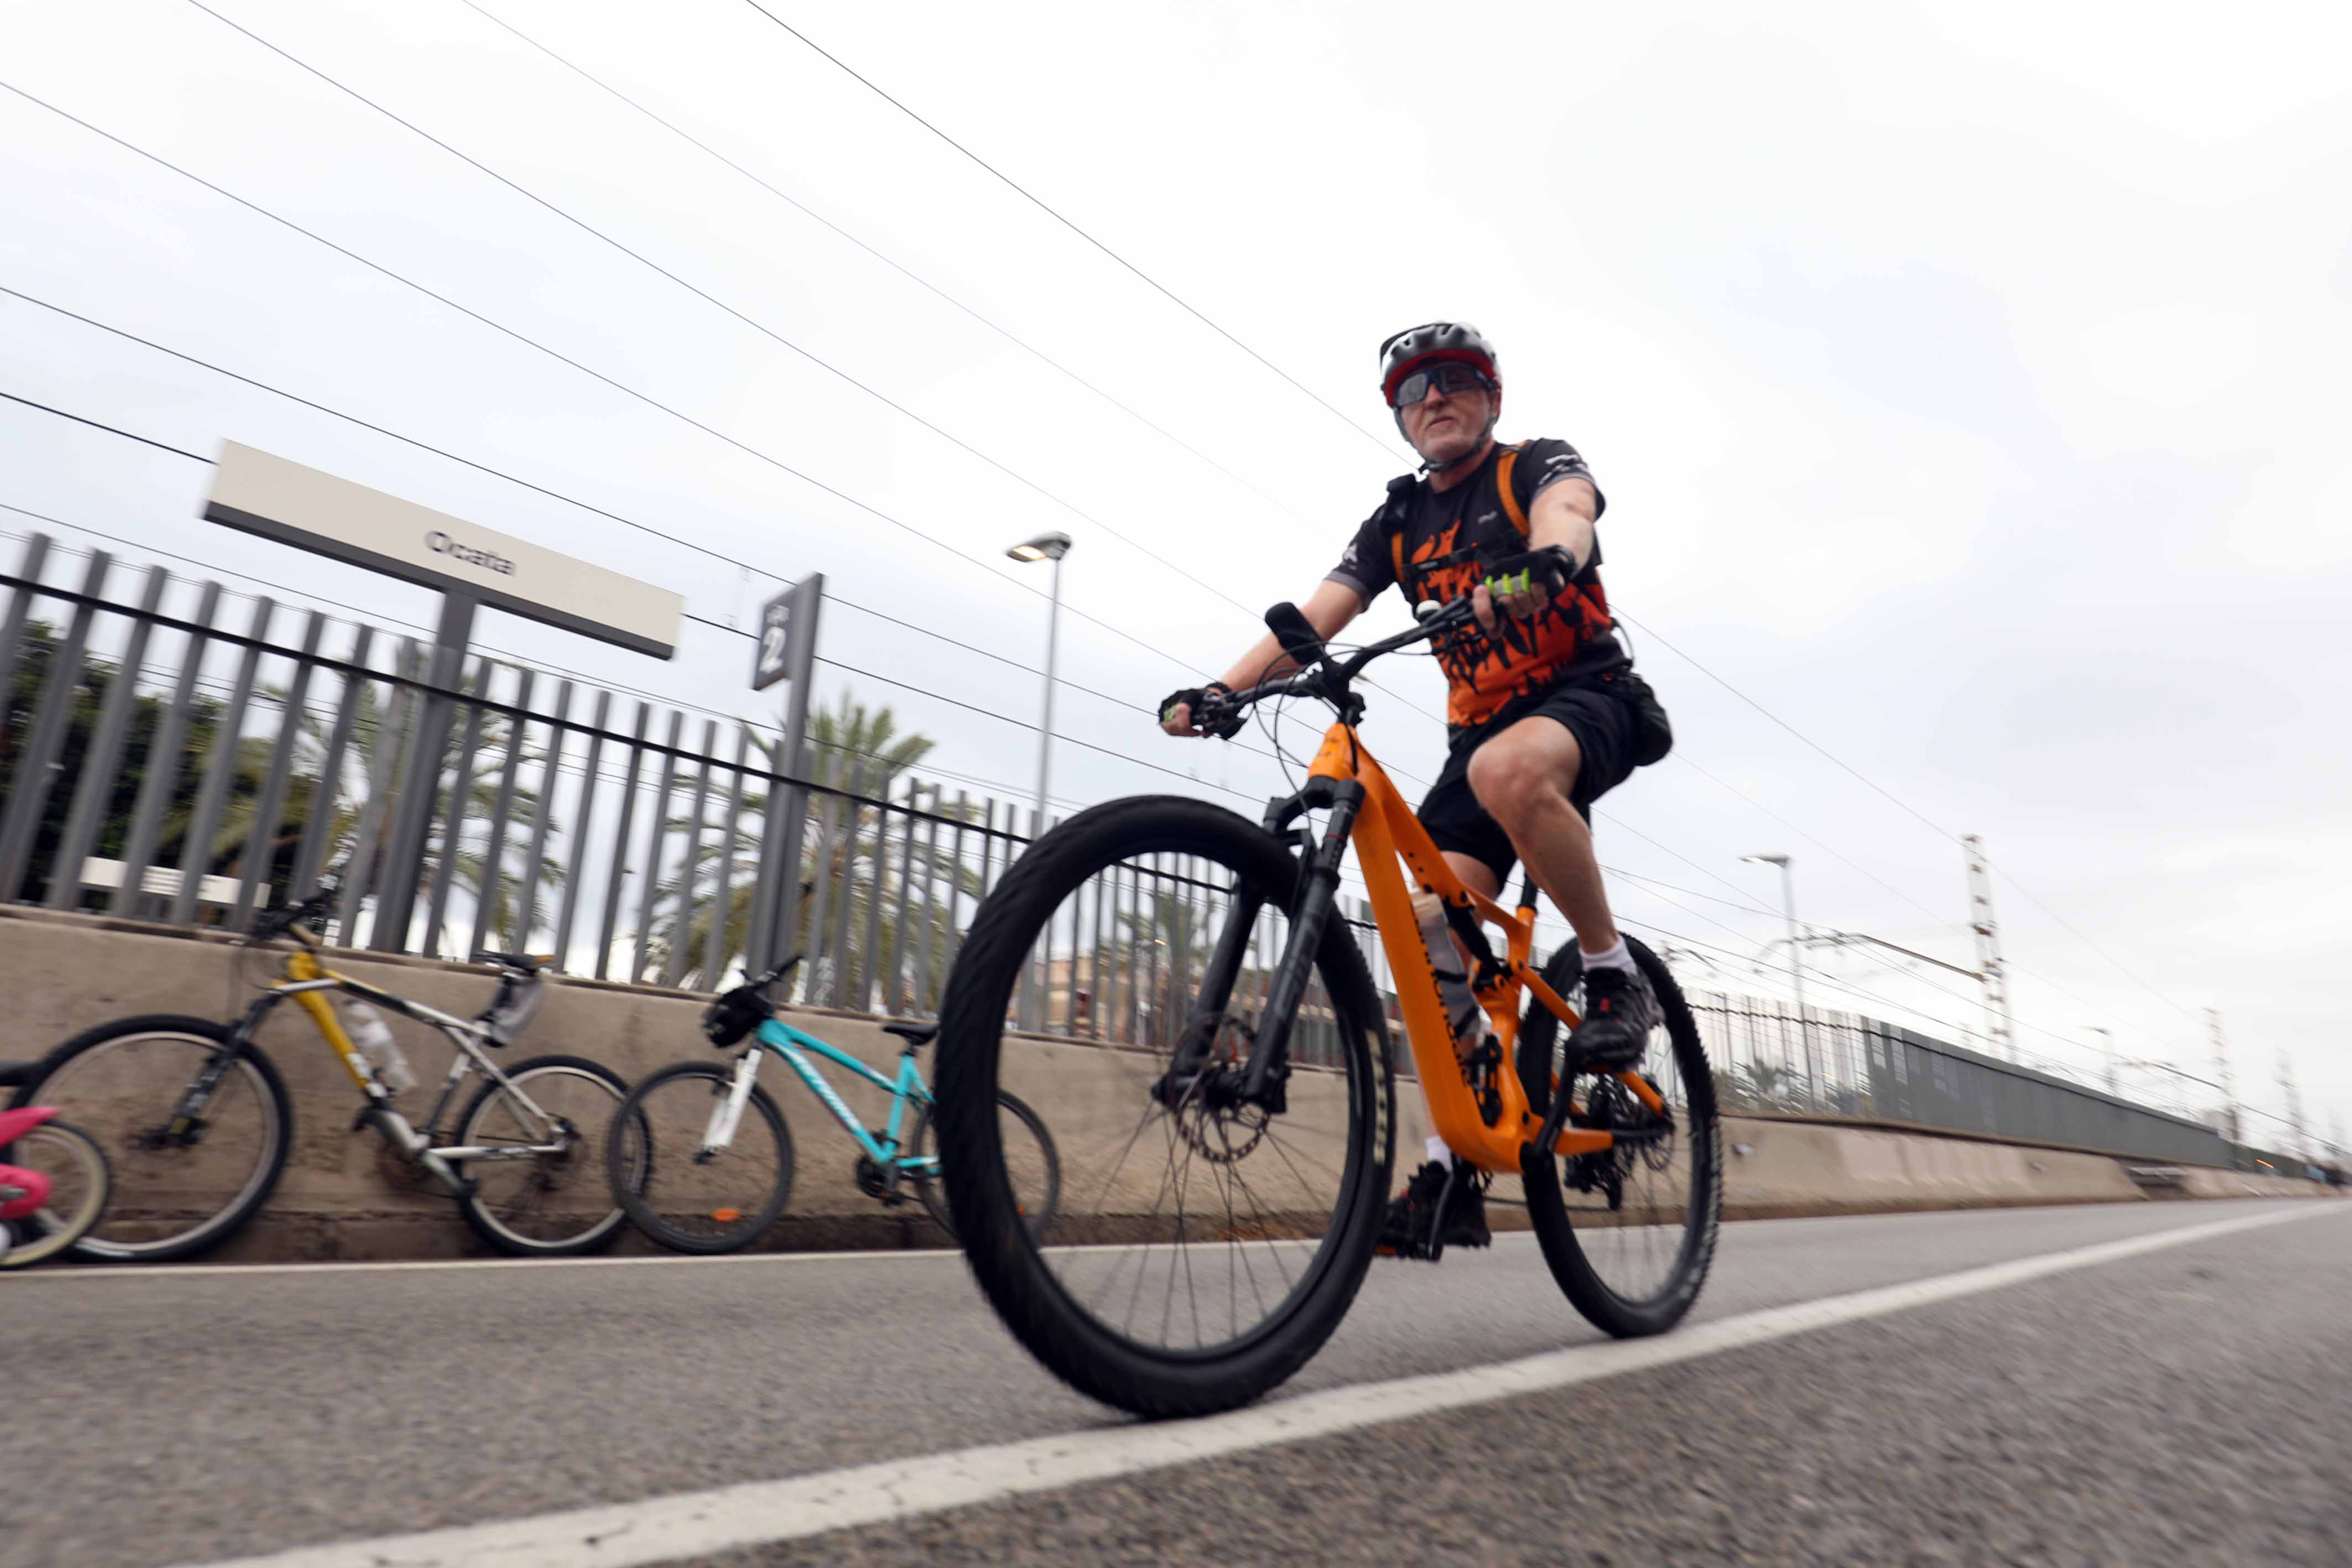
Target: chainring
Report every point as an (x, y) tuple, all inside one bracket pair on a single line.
[(872, 1182)]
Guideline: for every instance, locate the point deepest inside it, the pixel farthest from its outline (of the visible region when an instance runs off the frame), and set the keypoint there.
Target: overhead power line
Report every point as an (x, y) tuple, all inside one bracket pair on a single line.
[(886, 259), (1850, 988), (1934, 826), (755, 325), (1832, 758), (109, 429), (1027, 195), (1033, 200), (470, 463), (1808, 838), (717, 303), (619, 386)]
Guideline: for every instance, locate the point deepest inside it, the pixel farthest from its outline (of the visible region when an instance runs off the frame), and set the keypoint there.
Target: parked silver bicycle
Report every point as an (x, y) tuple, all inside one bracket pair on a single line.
[(199, 1124)]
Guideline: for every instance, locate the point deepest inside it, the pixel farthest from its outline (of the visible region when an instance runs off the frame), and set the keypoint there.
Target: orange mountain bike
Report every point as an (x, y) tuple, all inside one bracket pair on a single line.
[(1230, 1126)]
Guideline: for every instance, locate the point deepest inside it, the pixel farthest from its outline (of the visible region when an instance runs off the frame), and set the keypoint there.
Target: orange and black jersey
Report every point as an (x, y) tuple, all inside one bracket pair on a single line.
[(1449, 539)]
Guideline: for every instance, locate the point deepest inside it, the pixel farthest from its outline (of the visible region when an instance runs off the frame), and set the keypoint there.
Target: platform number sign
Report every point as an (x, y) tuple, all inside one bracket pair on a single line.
[(772, 661)]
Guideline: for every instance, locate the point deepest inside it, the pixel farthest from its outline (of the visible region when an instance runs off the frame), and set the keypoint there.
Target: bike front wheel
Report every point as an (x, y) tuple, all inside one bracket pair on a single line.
[(554, 1200), (182, 1185), (1629, 1232), (689, 1198), (81, 1182), (1202, 1250)]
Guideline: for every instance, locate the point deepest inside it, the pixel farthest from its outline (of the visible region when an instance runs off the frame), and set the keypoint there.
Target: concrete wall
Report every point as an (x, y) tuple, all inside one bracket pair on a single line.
[(341, 1198)]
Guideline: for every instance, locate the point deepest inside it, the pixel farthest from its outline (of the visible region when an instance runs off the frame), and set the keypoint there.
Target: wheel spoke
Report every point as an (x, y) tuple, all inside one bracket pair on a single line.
[(548, 1202), (686, 1196), (1635, 1265), (170, 1197)]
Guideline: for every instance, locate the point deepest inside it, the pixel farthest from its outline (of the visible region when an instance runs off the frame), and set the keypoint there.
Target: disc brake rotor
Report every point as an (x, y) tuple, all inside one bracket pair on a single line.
[(1223, 1137)]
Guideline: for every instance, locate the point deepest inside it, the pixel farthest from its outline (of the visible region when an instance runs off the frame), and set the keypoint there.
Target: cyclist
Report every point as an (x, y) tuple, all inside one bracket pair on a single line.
[(1544, 711)]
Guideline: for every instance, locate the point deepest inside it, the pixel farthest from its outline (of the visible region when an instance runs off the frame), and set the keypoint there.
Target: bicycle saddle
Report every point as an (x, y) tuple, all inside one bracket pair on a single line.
[(917, 1035), (529, 964)]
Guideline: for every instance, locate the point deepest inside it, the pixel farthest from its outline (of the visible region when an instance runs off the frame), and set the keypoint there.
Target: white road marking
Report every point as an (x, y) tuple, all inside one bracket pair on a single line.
[(693, 1524)]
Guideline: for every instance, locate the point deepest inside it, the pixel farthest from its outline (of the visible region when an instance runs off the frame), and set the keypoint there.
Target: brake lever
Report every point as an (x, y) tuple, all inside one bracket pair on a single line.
[(1223, 728)]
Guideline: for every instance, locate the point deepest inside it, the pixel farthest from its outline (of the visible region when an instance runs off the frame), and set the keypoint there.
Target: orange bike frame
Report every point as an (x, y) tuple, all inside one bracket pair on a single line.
[(1386, 829)]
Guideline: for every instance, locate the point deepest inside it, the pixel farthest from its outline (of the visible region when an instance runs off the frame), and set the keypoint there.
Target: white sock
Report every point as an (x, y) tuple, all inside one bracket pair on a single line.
[(1440, 1153), (1617, 958)]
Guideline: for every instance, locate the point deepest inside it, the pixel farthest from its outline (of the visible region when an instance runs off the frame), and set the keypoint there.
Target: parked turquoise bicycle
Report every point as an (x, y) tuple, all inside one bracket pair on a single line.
[(697, 1173)]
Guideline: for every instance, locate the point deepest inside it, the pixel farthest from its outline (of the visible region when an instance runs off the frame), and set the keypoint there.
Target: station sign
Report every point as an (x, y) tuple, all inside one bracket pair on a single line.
[(261, 494)]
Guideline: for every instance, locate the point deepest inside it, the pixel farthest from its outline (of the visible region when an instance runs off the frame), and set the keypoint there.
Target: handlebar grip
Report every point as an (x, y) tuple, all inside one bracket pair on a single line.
[(1296, 636), (1553, 564)]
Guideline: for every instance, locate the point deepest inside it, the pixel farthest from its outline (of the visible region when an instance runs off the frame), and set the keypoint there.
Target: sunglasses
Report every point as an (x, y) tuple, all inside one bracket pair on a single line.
[(1453, 379)]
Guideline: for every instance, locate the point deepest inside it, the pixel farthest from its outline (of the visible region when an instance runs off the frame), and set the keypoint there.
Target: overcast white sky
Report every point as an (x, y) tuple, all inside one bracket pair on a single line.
[(1966, 383)]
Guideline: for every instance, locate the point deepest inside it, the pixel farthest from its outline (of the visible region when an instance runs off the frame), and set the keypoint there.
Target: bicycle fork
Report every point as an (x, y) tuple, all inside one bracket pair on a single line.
[(728, 1114), (1263, 1080)]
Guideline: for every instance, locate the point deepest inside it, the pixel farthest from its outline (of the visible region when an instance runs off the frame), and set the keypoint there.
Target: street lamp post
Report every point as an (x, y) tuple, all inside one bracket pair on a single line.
[(1796, 967), (1053, 548)]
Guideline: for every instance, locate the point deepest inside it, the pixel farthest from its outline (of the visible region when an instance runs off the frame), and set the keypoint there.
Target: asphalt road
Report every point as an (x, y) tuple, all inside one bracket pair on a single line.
[(2189, 1405)]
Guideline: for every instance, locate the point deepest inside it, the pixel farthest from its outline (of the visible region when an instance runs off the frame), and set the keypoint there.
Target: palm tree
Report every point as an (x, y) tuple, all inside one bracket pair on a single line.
[(1759, 1085), (93, 679), (375, 751), (856, 754), (1162, 951)]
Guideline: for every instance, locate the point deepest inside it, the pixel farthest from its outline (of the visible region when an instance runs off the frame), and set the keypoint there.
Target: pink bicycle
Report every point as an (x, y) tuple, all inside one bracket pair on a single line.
[(54, 1181)]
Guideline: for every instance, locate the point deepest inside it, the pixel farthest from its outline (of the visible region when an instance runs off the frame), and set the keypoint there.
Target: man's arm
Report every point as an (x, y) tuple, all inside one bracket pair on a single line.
[(1563, 514), (1329, 610)]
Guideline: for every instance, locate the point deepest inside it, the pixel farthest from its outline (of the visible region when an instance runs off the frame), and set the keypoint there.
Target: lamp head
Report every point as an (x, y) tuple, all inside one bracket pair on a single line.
[(1782, 860), (1045, 547)]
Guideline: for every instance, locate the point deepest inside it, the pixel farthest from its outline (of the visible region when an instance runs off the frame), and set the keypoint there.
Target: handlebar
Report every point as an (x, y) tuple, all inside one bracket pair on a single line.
[(1322, 675), (282, 919), (772, 975)]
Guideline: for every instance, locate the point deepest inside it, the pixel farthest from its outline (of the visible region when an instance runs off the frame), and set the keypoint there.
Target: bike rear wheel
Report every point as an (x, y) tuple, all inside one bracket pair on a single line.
[(177, 1191), (79, 1180), (549, 1205), (1629, 1232), (1199, 1256), (686, 1199), (1032, 1167)]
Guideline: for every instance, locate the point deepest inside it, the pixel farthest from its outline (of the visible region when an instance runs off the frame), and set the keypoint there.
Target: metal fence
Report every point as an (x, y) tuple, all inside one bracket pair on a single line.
[(1768, 1058), (177, 751), (173, 750)]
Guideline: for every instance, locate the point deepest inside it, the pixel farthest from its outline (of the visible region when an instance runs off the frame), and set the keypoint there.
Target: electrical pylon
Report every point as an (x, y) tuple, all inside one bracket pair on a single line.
[(2294, 1098), (1996, 976), (2222, 1074)]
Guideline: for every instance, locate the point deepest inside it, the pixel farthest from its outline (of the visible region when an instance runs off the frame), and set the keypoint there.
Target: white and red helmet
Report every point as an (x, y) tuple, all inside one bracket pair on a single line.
[(1434, 342)]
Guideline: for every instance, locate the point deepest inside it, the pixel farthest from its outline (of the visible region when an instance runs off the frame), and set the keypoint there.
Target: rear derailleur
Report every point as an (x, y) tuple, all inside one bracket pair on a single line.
[(1641, 1136)]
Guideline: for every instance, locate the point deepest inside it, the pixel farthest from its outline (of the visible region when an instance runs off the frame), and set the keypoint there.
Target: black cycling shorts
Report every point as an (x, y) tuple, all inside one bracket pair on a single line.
[(1592, 708)]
